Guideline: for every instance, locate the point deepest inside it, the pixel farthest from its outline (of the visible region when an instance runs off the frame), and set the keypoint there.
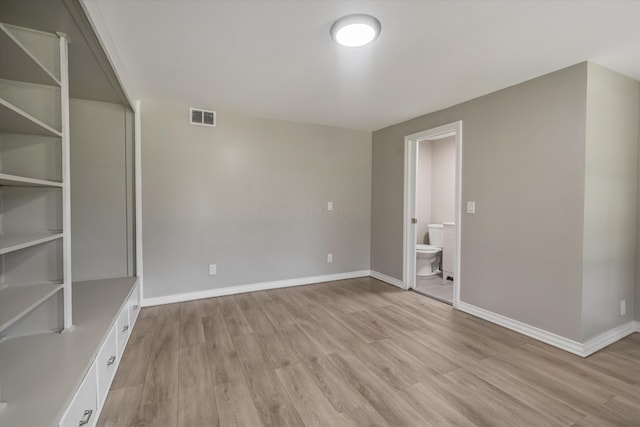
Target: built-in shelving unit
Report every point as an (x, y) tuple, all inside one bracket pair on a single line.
[(15, 242), (49, 378), (17, 301), (23, 181), (15, 120), (35, 280), (33, 56)]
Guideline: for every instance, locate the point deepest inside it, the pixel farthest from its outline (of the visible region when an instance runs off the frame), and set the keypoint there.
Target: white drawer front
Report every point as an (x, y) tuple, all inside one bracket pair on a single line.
[(134, 305), (106, 362), (83, 409), (123, 330)]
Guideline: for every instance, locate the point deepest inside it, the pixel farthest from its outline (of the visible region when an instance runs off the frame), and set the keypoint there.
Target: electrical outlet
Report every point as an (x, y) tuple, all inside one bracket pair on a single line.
[(623, 307), (329, 257), (329, 206), (213, 269)]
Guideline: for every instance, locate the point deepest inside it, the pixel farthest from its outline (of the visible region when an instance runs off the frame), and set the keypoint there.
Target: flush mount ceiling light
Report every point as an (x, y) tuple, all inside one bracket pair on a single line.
[(355, 30)]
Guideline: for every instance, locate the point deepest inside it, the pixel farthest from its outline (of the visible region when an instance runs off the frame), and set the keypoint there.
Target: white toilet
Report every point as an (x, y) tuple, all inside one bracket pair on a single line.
[(428, 256)]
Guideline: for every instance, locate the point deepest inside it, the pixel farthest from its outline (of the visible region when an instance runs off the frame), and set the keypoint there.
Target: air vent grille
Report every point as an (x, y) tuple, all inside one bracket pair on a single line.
[(198, 116)]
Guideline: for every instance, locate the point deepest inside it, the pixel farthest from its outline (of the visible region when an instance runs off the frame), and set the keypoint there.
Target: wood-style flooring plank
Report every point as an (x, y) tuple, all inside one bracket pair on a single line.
[(274, 406), (342, 395), (235, 405), (161, 379), (505, 409), (121, 408), (133, 366), (366, 416), (236, 323), (224, 363), (196, 398), (191, 331), (434, 407), (145, 325), (526, 393), (390, 406), (161, 413), (168, 313), (312, 405)]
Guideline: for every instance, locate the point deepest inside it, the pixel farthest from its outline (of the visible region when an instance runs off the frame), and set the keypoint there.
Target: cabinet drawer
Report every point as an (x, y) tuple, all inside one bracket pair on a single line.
[(106, 362), (123, 330), (134, 305), (83, 408)]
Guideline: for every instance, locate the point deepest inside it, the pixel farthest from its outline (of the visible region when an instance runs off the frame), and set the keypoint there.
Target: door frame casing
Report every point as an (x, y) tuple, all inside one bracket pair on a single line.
[(410, 186)]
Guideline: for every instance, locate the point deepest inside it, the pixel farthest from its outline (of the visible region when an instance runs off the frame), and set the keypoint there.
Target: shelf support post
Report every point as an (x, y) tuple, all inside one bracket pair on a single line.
[(66, 181)]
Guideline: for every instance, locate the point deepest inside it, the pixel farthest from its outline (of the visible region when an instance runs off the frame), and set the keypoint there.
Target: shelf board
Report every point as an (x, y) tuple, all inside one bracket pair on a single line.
[(15, 120), (23, 65), (57, 363), (22, 181), (18, 300), (17, 241)]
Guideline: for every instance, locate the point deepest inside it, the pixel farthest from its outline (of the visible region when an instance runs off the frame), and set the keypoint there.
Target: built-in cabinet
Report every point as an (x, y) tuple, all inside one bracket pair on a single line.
[(60, 341), (89, 398)]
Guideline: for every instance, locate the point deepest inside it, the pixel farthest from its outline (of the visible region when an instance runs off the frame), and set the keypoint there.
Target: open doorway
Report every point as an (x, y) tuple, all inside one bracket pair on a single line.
[(432, 212)]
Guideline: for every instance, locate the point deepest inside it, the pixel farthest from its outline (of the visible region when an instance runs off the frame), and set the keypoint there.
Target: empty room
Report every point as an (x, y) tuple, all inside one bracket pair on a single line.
[(302, 213)]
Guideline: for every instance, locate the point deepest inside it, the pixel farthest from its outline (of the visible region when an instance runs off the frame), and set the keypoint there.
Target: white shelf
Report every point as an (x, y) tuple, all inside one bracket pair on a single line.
[(15, 120), (18, 300), (15, 242), (22, 181), (23, 65), (57, 363)]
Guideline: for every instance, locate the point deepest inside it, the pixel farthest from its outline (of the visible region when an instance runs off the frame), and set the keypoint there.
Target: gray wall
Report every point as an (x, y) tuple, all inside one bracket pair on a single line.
[(523, 163), (249, 195), (443, 180), (102, 236), (423, 191), (611, 163)]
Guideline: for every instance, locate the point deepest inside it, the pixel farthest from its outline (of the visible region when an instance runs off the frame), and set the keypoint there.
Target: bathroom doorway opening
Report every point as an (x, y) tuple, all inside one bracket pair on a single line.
[(432, 229)]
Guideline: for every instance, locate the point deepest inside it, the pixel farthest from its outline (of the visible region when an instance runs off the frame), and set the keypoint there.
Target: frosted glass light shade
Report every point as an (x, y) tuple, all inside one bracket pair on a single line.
[(355, 30)]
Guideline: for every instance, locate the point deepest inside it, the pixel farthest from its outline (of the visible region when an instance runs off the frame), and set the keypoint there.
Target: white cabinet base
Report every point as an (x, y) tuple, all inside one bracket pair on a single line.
[(83, 410)]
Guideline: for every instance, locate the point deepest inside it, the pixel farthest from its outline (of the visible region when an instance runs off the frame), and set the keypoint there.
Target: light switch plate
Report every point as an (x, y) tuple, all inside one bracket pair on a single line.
[(329, 206), (471, 207)]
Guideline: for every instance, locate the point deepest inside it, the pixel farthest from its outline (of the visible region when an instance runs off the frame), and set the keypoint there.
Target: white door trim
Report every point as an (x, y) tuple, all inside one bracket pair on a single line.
[(409, 212)]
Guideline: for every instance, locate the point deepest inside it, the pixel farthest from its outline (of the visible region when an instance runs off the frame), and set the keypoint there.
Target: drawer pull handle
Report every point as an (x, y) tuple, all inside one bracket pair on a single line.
[(125, 329), (86, 417), (111, 361)]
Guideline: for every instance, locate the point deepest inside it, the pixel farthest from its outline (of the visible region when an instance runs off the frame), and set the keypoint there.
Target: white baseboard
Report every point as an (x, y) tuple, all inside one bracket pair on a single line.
[(581, 349), (608, 337), (231, 290), (637, 326), (387, 279), (523, 328)]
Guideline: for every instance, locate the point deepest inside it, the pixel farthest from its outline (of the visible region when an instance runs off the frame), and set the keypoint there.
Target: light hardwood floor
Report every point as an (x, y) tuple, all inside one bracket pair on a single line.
[(358, 353)]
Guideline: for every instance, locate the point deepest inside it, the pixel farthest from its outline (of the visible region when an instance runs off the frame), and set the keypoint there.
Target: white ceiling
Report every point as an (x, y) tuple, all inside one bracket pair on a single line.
[(276, 59)]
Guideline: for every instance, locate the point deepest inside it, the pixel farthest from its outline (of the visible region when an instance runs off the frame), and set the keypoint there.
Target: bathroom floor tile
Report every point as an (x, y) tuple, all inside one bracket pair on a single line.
[(435, 287)]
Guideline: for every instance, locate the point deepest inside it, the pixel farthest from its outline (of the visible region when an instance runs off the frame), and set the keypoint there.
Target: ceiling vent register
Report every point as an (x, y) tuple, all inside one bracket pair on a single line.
[(198, 116)]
